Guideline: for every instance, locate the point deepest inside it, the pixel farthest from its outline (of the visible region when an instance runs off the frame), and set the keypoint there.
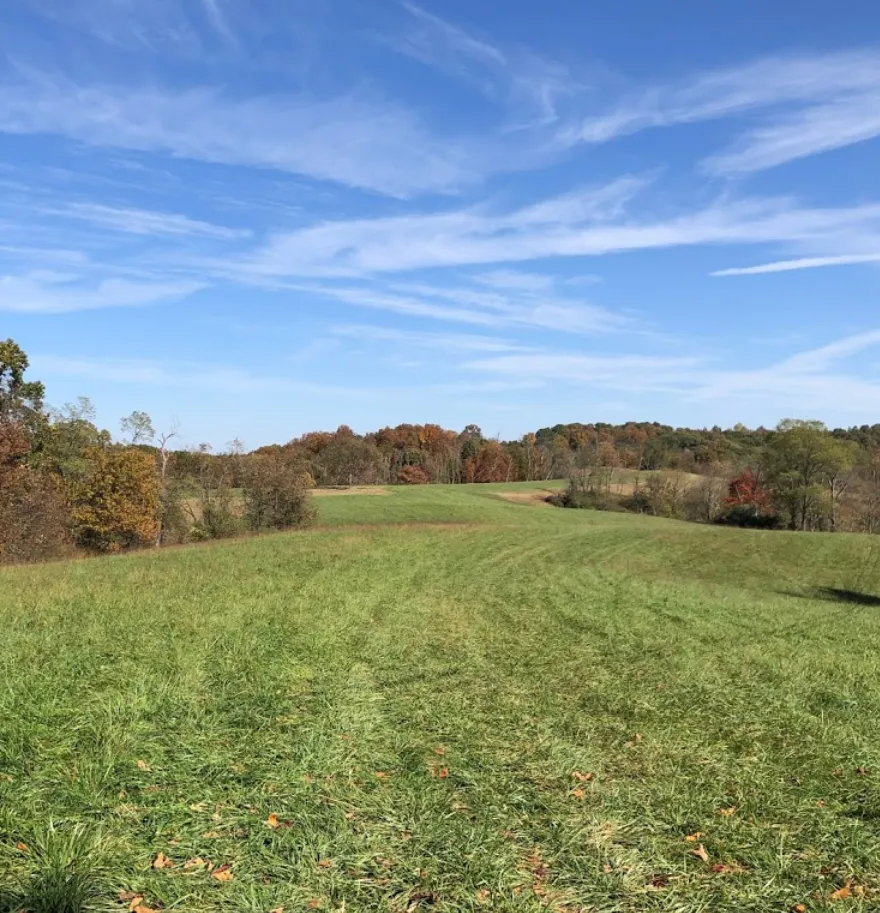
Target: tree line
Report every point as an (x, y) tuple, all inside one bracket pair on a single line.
[(66, 484)]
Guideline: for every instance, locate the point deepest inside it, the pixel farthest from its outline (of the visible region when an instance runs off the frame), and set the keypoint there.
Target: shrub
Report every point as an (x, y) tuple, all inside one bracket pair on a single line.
[(116, 504), (746, 516), (413, 475), (34, 518), (275, 493)]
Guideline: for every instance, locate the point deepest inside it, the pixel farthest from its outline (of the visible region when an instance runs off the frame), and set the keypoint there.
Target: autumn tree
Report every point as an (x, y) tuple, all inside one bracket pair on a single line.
[(116, 504)]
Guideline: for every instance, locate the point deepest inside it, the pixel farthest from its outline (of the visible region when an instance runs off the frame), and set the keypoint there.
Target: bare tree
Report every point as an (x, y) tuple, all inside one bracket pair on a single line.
[(164, 495)]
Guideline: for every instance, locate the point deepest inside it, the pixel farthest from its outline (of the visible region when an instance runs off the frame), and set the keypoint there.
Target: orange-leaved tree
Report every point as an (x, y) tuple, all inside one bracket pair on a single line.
[(116, 504)]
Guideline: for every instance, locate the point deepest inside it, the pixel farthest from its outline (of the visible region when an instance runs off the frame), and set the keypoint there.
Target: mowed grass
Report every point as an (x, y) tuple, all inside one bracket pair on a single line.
[(451, 702)]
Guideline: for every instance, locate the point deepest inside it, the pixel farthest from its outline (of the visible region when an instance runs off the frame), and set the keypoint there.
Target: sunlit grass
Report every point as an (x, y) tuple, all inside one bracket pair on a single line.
[(413, 690)]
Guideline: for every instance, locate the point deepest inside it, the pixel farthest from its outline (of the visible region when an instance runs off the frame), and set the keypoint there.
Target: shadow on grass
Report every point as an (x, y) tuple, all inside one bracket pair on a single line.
[(834, 594)]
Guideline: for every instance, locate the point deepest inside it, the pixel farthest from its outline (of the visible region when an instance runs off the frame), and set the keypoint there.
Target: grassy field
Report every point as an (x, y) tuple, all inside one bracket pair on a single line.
[(441, 700)]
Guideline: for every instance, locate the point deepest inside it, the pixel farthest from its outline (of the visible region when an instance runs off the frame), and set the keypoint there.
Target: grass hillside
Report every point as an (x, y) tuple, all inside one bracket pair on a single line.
[(443, 700)]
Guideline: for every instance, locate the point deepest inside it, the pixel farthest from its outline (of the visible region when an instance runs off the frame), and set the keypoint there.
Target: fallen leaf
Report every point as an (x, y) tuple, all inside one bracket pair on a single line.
[(842, 893), (837, 772), (577, 793), (483, 895), (350, 816), (693, 838), (325, 863), (582, 778), (22, 847), (196, 863), (142, 765), (660, 881), (799, 908), (607, 869), (126, 896), (210, 835), (727, 812), (862, 771), (440, 750), (381, 775), (313, 904), (273, 822), (700, 853), (162, 862), (277, 910), (223, 873), (443, 773), (143, 908)]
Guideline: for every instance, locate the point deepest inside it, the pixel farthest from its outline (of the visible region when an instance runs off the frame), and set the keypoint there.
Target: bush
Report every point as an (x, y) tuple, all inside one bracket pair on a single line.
[(746, 516), (116, 504), (413, 475), (275, 493), (34, 518)]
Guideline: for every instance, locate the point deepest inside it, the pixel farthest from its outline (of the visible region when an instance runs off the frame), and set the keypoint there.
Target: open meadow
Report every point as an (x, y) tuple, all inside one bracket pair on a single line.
[(441, 699)]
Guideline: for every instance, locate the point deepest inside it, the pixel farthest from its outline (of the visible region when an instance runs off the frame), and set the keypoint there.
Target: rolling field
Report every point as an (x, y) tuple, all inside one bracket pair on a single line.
[(443, 700)]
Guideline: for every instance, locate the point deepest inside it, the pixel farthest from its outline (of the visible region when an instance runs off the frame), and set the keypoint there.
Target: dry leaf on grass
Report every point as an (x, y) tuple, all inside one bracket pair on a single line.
[(22, 847), (162, 862), (582, 778), (842, 893), (693, 838), (277, 910), (700, 852), (577, 793), (313, 904), (273, 822), (799, 908), (210, 835), (325, 863), (223, 872), (142, 765), (350, 816), (727, 812), (196, 863), (440, 750), (380, 774)]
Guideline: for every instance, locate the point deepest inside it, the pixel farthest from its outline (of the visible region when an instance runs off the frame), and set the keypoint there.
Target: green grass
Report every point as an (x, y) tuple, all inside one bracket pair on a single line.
[(689, 669)]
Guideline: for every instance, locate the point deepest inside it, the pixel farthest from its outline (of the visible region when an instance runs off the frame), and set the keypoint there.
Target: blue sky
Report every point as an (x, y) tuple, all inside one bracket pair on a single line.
[(256, 218)]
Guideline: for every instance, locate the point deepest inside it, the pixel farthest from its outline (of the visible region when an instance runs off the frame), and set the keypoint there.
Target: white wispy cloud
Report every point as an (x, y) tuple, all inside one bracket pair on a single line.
[(147, 222), (445, 343), (807, 383), (783, 266), (516, 280), (217, 17), (813, 103), (44, 292), (524, 83), (351, 139), (633, 373), (180, 375), (593, 222)]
